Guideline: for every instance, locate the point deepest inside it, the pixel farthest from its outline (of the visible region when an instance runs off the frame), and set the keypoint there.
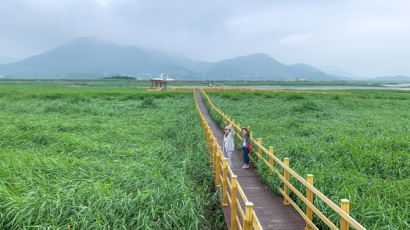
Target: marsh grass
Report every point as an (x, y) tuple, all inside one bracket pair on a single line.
[(357, 146), (92, 158)]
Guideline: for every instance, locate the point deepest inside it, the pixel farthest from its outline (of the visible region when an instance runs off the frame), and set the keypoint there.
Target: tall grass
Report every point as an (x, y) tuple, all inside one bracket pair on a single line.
[(357, 146), (103, 159)]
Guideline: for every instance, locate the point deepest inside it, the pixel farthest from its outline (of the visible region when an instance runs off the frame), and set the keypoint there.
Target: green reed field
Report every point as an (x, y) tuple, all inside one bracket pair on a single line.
[(357, 146), (103, 158)]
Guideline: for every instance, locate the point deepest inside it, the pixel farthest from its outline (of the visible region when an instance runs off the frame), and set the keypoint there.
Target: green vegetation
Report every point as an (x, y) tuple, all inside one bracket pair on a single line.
[(357, 146), (103, 158)]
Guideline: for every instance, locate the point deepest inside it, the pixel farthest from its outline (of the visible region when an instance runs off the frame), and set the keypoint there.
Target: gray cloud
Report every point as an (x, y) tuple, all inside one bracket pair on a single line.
[(366, 37)]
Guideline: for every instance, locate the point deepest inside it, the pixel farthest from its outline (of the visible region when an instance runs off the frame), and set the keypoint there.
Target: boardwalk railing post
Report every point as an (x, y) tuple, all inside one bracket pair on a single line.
[(251, 137), (211, 145), (208, 138), (206, 133), (215, 153), (271, 158), (345, 203), (225, 182), (259, 148), (285, 187), (247, 222), (218, 168), (309, 197), (211, 137), (215, 146), (234, 194)]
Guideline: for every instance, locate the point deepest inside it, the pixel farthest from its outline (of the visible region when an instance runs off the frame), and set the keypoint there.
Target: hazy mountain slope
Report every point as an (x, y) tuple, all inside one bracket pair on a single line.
[(334, 70), (91, 57), (4, 60), (262, 67), (179, 60), (390, 79)]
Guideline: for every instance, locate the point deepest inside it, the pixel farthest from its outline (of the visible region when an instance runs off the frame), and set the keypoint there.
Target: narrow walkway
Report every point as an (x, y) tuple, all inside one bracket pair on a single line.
[(269, 207)]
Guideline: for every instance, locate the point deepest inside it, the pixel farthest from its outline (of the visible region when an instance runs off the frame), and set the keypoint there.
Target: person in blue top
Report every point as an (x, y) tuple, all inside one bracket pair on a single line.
[(245, 146)]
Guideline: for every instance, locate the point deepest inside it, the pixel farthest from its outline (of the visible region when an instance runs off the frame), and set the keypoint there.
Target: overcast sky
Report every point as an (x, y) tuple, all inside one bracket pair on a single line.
[(365, 37)]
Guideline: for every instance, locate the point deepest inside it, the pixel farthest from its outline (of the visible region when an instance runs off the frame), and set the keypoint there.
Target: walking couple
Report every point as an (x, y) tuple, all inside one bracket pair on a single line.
[(229, 145)]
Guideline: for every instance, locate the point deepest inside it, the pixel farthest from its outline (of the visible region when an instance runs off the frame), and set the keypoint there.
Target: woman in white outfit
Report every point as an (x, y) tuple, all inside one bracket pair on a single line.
[(229, 144)]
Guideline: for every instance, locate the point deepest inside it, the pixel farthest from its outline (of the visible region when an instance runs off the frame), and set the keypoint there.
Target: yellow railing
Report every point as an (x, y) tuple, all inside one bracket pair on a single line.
[(224, 177), (343, 211)]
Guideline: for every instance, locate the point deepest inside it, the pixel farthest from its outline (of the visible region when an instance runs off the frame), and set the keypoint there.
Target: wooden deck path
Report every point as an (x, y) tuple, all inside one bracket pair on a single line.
[(268, 207)]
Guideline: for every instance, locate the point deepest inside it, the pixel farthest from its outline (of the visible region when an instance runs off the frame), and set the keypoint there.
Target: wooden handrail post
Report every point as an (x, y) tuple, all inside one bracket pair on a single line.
[(345, 206), (218, 167), (271, 158), (208, 132), (285, 187), (247, 222), (225, 182), (259, 149), (309, 197), (211, 144), (250, 152), (215, 146), (233, 121), (211, 137), (214, 161), (234, 197)]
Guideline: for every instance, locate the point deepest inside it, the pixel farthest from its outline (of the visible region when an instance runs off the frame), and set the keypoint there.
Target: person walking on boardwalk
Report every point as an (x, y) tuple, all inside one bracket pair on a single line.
[(229, 144), (246, 143)]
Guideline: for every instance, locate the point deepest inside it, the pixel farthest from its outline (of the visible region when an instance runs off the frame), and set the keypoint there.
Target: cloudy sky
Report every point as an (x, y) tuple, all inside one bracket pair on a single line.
[(365, 37)]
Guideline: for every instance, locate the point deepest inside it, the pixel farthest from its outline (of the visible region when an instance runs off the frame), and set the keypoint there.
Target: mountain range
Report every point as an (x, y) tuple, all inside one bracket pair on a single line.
[(94, 58)]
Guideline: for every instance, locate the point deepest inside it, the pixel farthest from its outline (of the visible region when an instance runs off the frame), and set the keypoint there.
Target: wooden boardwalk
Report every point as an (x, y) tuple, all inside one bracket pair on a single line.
[(268, 207)]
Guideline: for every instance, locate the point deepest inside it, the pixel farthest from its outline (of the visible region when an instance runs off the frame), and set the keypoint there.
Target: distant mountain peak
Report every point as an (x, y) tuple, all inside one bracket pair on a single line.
[(89, 41), (86, 38), (257, 55)]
